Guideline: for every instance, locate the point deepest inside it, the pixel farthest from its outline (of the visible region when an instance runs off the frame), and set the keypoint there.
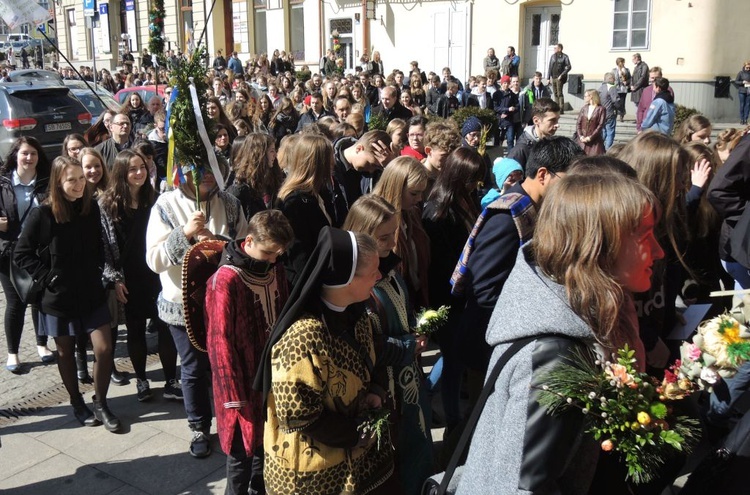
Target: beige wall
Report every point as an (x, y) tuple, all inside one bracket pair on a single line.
[(706, 35)]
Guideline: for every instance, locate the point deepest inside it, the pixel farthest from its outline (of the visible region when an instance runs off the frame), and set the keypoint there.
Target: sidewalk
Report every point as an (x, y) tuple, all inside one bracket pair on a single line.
[(46, 451)]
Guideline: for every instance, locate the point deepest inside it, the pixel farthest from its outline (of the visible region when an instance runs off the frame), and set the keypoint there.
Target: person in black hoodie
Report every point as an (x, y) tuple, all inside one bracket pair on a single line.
[(505, 103), (62, 247), (358, 161), (23, 185)]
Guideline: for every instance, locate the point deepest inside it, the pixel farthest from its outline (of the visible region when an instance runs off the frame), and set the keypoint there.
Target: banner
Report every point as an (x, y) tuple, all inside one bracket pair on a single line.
[(17, 12)]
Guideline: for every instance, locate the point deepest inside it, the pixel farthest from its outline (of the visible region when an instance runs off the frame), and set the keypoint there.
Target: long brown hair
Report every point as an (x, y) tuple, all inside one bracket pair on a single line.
[(663, 166), (251, 165), (115, 201), (62, 209), (577, 240), (310, 163)]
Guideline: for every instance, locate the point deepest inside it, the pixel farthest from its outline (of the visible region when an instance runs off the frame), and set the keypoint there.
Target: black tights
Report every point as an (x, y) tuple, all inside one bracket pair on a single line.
[(15, 311), (101, 339), (137, 349)]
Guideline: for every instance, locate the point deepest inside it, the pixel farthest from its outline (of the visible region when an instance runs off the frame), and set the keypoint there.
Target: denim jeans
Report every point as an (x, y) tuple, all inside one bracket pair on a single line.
[(194, 367), (739, 273), (609, 131), (744, 107)]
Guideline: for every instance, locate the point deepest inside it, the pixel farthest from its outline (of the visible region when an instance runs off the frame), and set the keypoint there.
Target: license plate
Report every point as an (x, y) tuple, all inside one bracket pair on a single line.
[(58, 126)]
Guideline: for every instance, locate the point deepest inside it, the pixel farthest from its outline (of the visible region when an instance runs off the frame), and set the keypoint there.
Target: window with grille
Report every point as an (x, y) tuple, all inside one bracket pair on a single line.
[(343, 26), (632, 24)]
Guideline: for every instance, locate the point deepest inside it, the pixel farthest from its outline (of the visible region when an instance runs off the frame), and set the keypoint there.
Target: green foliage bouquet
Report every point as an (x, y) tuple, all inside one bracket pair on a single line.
[(623, 410)]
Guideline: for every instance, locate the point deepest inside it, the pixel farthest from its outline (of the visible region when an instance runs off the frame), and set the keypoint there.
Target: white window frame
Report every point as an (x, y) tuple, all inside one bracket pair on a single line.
[(629, 46)]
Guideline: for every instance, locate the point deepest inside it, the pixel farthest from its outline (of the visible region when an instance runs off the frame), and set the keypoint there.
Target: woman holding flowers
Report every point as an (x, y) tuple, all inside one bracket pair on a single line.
[(594, 240), (397, 357)]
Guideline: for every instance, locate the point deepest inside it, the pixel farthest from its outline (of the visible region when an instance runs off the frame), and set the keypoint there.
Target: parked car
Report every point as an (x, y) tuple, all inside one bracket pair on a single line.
[(146, 92), (40, 75), (45, 111), (94, 105)]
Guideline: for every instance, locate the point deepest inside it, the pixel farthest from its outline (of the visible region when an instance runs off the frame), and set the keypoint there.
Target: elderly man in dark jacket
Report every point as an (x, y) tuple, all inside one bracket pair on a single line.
[(390, 108)]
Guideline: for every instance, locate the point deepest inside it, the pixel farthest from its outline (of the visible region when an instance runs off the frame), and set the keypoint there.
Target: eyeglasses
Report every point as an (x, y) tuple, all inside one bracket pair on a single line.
[(415, 135), (75, 149), (122, 124)]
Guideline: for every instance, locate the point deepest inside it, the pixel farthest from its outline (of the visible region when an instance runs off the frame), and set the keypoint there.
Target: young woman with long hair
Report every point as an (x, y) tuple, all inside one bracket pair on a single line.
[(694, 128), (590, 124), (125, 208), (284, 120), (309, 169), (100, 132), (134, 109), (393, 319), (62, 246), (448, 218), (402, 184), (97, 175), (24, 177), (257, 176), (663, 167), (593, 243)]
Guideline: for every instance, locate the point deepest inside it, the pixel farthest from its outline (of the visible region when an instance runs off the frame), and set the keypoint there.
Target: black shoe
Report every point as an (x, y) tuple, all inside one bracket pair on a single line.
[(200, 444), (84, 377), (119, 378), (82, 413), (103, 414)]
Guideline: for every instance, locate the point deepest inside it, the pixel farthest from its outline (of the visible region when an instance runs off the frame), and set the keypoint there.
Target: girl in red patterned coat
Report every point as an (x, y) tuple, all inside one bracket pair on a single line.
[(243, 299)]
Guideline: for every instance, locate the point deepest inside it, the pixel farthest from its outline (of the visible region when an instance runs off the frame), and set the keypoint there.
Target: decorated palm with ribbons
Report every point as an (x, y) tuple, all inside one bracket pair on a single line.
[(189, 131)]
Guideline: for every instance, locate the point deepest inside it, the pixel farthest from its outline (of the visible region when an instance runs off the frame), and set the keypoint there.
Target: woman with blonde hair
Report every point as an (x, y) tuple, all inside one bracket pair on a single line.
[(403, 184), (725, 143), (257, 176), (593, 243), (397, 364), (302, 197), (396, 129), (694, 128), (590, 124)]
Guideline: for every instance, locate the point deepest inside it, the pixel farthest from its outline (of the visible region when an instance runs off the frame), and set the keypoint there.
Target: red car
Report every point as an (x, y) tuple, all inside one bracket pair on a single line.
[(146, 92)]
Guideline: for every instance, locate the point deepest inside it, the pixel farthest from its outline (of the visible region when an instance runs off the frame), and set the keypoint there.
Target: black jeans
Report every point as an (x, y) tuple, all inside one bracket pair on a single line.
[(15, 311), (244, 474)]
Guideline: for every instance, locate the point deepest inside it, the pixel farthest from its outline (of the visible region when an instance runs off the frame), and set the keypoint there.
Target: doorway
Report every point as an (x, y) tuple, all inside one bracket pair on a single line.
[(541, 34)]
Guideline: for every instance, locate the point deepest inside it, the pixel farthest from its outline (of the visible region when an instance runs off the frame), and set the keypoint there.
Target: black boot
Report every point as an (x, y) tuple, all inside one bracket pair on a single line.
[(103, 414), (82, 413), (119, 378), (82, 367)]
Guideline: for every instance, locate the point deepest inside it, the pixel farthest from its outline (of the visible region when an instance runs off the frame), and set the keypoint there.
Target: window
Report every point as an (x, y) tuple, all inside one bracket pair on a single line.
[(239, 20), (298, 31), (631, 24), (536, 29)]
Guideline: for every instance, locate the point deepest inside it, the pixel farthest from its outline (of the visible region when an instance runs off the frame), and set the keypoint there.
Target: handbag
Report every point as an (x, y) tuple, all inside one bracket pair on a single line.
[(28, 288), (441, 485)]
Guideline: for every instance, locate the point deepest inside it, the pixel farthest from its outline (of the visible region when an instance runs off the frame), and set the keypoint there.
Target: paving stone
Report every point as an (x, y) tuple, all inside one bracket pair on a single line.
[(21, 452), (61, 475)]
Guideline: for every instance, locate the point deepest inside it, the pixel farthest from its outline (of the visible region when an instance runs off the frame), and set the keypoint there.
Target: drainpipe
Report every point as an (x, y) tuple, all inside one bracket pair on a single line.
[(322, 30), (365, 28)]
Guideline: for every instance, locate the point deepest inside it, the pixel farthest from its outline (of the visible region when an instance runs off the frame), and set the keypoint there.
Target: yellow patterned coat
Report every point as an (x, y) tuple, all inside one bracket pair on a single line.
[(314, 371)]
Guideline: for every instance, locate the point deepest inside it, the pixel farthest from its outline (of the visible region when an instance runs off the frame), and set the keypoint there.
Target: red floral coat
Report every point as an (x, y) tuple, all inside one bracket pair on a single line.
[(240, 309)]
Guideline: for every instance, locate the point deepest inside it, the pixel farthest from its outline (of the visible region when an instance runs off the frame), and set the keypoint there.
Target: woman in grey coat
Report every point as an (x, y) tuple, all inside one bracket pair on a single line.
[(593, 245)]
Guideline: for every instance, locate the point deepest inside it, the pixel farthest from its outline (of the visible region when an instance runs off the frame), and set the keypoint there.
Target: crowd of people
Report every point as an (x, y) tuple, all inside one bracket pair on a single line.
[(333, 236)]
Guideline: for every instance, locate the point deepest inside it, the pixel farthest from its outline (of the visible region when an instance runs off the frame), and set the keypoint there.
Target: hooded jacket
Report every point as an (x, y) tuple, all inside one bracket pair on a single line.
[(660, 115), (517, 447)]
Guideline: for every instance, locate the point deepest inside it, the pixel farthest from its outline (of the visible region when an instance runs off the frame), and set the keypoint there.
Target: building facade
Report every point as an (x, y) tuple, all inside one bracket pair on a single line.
[(693, 41)]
